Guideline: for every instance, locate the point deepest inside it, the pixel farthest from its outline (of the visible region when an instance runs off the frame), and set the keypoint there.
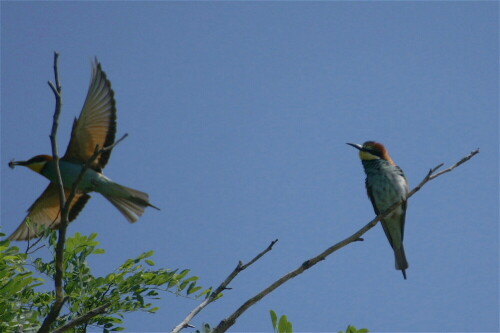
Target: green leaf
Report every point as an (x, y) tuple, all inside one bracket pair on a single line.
[(192, 288), (283, 324), (352, 329), (274, 318), (183, 285), (182, 274), (205, 292), (147, 254)]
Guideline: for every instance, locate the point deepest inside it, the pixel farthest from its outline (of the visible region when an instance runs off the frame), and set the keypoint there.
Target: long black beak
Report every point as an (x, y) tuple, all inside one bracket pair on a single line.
[(355, 145), (13, 163)]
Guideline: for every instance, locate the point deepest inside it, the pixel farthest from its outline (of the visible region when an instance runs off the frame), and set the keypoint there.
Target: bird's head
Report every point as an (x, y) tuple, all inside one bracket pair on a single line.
[(35, 163), (371, 150)]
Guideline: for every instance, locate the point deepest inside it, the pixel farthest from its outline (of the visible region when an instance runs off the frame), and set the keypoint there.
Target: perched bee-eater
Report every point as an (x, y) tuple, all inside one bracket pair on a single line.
[(96, 126), (386, 184)]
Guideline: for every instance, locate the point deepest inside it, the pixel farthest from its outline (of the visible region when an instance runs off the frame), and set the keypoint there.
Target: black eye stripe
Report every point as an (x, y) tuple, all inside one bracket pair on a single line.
[(373, 151), (37, 159)]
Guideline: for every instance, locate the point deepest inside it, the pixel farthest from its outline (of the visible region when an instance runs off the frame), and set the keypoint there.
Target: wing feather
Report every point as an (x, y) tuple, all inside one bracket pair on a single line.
[(45, 213), (377, 212), (96, 124)]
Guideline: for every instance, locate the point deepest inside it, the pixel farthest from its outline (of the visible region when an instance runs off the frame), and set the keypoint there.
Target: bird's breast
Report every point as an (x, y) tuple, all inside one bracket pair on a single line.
[(70, 173), (387, 187)]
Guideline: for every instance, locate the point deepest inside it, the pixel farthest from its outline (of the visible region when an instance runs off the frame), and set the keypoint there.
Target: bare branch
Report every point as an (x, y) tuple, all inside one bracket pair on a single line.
[(57, 90), (225, 324), (462, 161), (257, 257), (83, 318), (223, 286), (431, 175), (58, 277), (64, 202)]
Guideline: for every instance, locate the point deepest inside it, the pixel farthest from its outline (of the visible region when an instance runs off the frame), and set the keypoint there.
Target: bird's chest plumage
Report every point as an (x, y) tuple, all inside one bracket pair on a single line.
[(386, 183), (70, 173)]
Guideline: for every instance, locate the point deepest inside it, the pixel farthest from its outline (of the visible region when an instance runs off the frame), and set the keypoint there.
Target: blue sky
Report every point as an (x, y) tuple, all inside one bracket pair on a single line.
[(238, 114)]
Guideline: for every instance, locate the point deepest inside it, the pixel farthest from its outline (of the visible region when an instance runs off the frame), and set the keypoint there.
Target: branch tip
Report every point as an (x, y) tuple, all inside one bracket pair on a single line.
[(272, 244), (223, 286)]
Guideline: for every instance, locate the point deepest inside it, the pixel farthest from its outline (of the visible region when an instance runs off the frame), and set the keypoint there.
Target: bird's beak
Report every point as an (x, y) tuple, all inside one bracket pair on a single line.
[(355, 145), (13, 163)]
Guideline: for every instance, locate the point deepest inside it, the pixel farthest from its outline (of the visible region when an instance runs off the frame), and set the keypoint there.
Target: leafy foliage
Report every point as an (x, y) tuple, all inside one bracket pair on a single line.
[(282, 325), (16, 290), (130, 287), (352, 329)]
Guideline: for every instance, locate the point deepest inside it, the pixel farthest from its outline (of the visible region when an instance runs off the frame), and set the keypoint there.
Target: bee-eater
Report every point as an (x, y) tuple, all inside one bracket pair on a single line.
[(386, 184), (96, 126)]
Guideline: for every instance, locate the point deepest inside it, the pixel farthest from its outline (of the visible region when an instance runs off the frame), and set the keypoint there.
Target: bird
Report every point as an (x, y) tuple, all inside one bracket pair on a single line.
[(95, 127), (386, 184)]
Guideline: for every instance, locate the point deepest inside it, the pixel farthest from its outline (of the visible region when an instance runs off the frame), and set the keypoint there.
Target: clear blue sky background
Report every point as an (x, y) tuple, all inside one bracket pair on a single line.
[(238, 114)]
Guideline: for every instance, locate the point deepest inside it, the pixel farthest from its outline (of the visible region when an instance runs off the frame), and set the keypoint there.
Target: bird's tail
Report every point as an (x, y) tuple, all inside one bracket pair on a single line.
[(131, 203), (401, 263)]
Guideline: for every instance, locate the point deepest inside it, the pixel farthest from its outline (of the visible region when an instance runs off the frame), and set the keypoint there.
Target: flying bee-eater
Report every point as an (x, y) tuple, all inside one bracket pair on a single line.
[(96, 126), (386, 184)]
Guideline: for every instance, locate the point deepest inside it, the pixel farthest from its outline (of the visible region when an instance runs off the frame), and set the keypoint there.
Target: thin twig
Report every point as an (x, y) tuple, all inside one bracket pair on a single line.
[(57, 90), (83, 318), (223, 286), (59, 273), (225, 324), (257, 257), (463, 160), (432, 175), (32, 245)]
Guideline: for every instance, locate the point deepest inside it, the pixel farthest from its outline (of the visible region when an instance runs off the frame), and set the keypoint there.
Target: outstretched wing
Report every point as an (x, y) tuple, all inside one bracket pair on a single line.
[(45, 213), (96, 124)]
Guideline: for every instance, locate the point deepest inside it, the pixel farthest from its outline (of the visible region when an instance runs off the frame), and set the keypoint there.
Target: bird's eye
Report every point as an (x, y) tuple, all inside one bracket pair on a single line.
[(372, 150), (37, 159)]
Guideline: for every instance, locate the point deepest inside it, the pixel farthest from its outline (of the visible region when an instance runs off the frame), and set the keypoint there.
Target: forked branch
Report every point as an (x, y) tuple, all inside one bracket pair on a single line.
[(58, 277), (65, 204), (225, 324), (223, 286)]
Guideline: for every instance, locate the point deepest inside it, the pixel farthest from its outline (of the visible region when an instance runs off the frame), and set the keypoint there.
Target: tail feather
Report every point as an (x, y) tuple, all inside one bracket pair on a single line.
[(400, 259), (131, 203)]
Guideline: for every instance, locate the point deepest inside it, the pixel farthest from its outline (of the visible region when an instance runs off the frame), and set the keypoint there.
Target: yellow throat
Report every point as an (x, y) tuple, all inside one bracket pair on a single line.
[(366, 156)]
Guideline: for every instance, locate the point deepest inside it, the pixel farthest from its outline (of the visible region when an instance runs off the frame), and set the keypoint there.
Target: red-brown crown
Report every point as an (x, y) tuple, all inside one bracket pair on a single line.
[(377, 149)]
